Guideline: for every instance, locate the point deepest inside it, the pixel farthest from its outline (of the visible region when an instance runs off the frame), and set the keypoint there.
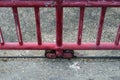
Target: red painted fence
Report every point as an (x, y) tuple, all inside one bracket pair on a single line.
[(59, 45)]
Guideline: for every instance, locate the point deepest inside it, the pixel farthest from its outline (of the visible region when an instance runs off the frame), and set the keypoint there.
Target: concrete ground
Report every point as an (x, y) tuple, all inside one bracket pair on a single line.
[(45, 69)]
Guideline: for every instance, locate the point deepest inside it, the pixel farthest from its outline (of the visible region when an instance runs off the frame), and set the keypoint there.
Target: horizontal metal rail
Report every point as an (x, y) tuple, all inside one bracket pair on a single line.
[(67, 3), (53, 46)]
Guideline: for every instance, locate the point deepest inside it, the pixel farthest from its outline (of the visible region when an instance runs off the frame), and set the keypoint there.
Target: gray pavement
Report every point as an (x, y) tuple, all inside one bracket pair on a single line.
[(37, 69)]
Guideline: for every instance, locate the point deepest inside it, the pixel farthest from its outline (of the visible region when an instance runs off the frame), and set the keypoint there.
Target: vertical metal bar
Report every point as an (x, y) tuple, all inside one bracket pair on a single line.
[(117, 37), (102, 16), (1, 38), (17, 24), (59, 23), (80, 29), (38, 30)]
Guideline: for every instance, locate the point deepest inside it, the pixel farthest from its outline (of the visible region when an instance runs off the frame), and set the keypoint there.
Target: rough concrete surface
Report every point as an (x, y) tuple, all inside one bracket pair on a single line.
[(45, 69)]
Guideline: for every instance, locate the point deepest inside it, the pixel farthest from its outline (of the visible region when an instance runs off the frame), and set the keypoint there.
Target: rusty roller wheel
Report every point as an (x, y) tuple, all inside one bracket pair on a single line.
[(68, 54), (50, 54)]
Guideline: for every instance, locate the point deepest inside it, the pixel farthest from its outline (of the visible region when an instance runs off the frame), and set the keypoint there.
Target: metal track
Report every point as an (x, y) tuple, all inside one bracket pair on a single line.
[(22, 57), (82, 57)]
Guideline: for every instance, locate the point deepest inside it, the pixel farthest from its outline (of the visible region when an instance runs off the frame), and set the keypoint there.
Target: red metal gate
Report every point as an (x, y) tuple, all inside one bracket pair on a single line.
[(59, 48)]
